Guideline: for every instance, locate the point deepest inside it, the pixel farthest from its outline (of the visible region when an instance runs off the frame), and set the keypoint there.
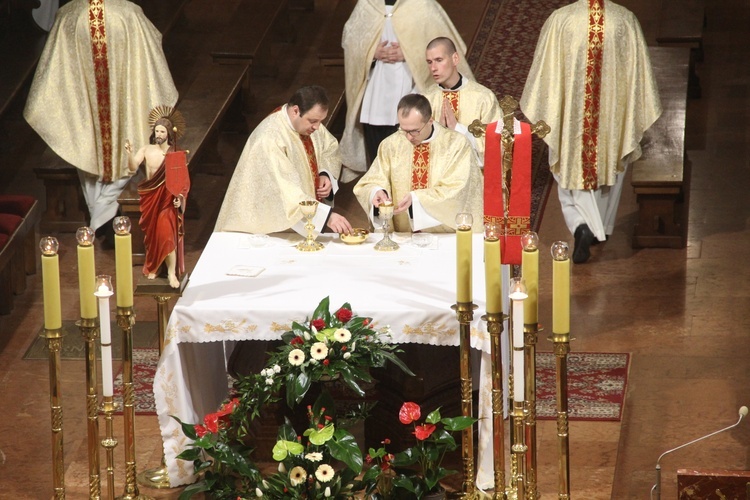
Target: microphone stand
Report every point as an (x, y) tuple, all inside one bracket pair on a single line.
[(657, 486)]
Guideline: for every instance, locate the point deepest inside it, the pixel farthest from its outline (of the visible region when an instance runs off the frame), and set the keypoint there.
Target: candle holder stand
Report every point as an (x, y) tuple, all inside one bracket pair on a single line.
[(109, 442), (530, 340), (465, 315), (495, 329), (90, 332), (517, 487), (125, 320), (54, 338), (562, 348)]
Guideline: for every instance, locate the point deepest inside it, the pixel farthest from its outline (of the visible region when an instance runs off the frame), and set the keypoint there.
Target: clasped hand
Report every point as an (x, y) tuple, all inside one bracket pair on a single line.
[(389, 52)]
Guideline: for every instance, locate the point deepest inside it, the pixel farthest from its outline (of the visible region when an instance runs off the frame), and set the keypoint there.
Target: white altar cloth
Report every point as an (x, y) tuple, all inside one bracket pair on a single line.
[(411, 290)]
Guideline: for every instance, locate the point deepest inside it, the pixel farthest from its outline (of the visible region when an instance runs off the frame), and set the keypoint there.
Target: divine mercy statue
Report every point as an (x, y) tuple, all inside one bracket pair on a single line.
[(163, 194)]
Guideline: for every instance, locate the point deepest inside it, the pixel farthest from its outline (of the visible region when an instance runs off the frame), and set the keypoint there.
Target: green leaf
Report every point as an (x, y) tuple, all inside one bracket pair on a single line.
[(433, 417), (319, 437), (322, 310), (343, 447), (397, 361), (324, 401), (286, 431), (458, 423), (405, 458), (283, 448), (190, 454), (194, 488), (187, 429), (297, 386), (406, 483), (433, 477)]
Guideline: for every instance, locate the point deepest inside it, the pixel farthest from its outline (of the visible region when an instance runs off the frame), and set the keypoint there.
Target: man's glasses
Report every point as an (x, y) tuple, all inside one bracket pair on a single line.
[(414, 133)]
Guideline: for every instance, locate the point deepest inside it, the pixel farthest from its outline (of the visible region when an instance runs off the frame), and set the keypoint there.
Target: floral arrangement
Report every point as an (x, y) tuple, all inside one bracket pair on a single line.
[(324, 460), (393, 475)]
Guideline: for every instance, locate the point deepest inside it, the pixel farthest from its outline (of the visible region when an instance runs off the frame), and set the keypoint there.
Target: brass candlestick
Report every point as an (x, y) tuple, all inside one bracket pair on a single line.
[(495, 329), (90, 332), (386, 213), (465, 315), (54, 346), (309, 207), (125, 320), (109, 442), (530, 340)]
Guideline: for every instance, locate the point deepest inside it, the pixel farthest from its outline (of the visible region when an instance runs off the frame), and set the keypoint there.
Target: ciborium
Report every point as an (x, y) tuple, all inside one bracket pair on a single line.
[(386, 214), (309, 207)]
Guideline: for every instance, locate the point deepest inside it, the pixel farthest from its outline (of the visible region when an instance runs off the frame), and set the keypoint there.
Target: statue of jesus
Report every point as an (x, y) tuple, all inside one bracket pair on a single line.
[(162, 206)]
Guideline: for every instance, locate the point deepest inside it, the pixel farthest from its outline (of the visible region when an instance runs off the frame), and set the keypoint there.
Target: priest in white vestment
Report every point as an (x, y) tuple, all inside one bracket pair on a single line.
[(457, 100), (290, 157), (429, 172), (101, 72), (384, 43), (591, 81)]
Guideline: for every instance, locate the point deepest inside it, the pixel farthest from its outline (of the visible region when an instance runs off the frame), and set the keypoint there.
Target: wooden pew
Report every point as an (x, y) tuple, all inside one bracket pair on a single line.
[(19, 218), (681, 24), (661, 177)]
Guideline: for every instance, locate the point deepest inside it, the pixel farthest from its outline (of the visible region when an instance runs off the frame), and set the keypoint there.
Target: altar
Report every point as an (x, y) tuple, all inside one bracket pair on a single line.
[(252, 287)]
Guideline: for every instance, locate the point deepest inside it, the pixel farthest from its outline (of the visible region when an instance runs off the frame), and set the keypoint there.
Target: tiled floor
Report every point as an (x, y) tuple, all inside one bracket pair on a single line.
[(683, 314)]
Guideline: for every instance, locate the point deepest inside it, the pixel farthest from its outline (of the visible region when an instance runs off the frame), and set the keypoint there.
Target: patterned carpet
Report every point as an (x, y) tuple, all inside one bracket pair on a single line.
[(596, 385), (501, 57)]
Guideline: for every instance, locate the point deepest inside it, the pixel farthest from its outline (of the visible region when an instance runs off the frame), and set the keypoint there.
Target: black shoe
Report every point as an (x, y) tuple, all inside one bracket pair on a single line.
[(584, 237)]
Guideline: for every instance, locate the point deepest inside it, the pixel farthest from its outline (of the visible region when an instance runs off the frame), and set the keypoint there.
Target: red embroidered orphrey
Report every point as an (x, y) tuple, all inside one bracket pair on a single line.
[(420, 167), (312, 160), (101, 78), (452, 96), (592, 95)]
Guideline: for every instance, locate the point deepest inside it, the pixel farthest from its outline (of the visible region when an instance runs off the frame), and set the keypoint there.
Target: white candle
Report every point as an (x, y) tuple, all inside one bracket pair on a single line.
[(518, 384), (106, 340)]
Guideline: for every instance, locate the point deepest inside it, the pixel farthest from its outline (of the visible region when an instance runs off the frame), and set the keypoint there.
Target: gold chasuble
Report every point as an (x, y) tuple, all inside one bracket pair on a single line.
[(470, 102), (101, 72), (441, 172), (274, 173), (591, 82), (416, 23)]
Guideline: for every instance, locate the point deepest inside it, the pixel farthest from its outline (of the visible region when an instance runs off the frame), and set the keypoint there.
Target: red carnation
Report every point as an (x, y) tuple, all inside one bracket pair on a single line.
[(423, 431), (318, 323), (211, 421), (409, 412), (296, 341), (200, 430), (344, 314), (326, 362)]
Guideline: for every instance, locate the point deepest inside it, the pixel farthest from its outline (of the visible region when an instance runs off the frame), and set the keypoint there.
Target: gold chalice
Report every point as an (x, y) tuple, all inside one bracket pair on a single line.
[(309, 207), (386, 213)]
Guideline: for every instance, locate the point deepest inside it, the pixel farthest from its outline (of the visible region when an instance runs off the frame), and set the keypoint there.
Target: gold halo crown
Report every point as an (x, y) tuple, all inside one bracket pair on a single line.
[(169, 113)]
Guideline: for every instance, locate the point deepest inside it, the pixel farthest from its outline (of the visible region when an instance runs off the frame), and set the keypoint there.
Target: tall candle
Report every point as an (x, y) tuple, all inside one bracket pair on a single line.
[(124, 270), (530, 270), (106, 340), (86, 277), (560, 288), (463, 257), (517, 297), (51, 283), (492, 275), (518, 382)]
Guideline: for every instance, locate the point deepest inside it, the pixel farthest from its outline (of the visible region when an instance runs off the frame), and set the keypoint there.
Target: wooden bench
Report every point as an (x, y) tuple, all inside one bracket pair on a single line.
[(331, 53), (19, 220), (661, 177), (681, 24)]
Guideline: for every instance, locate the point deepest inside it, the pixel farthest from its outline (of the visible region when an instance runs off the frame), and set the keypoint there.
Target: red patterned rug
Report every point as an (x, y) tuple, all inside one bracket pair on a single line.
[(596, 385), (501, 56), (144, 367)]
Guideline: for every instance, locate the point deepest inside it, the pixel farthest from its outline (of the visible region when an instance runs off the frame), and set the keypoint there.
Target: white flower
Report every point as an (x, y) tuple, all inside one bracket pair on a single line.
[(314, 456), (282, 469), (296, 357), (327, 492), (319, 350), (263, 372), (342, 335), (354, 347), (258, 492), (324, 473), (307, 335), (297, 476), (276, 369), (269, 381), (314, 330), (265, 484), (313, 361), (347, 355)]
